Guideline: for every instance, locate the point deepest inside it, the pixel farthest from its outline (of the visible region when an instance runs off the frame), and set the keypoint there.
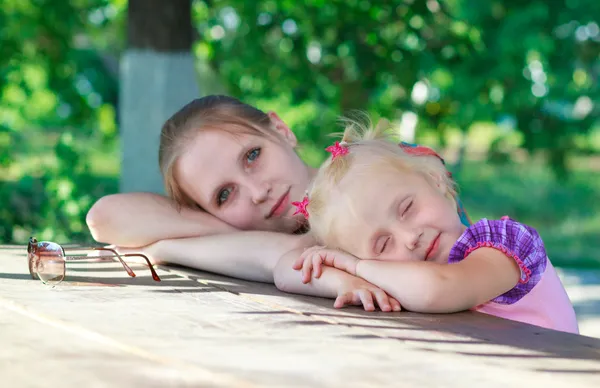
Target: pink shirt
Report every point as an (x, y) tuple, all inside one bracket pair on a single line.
[(546, 305), (539, 298)]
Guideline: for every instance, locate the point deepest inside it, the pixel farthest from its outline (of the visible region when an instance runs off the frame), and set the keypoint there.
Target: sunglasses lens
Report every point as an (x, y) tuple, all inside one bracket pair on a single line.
[(32, 264), (49, 263)]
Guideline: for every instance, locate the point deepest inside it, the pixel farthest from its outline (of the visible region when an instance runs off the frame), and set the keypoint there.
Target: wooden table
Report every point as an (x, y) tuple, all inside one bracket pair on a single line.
[(193, 329)]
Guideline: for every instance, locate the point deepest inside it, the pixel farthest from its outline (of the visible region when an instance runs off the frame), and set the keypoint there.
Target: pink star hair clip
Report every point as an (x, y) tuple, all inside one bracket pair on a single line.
[(301, 207), (337, 150)]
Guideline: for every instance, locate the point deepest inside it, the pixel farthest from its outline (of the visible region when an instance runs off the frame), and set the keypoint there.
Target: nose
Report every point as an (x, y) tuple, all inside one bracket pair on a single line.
[(259, 192), (412, 238)]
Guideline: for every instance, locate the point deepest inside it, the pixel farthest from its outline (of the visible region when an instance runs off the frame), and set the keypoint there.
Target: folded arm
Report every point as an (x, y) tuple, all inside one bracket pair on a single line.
[(139, 219), (249, 255), (441, 288), (267, 257), (347, 289)]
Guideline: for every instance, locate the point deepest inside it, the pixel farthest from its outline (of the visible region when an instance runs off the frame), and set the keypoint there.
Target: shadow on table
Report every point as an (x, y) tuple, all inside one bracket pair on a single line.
[(466, 329), (461, 330)]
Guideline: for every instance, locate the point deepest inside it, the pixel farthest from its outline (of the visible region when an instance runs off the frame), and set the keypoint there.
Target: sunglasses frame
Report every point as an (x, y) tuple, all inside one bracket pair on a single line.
[(33, 254)]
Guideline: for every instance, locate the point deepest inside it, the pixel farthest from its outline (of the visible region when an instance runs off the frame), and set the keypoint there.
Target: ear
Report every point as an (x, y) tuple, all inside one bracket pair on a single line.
[(282, 128)]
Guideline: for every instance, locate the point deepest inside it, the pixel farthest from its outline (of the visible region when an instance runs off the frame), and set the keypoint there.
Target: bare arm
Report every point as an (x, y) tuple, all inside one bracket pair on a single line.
[(139, 219), (250, 255), (440, 288)]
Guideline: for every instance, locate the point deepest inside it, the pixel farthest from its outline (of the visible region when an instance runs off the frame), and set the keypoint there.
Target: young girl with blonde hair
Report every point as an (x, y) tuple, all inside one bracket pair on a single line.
[(388, 214)]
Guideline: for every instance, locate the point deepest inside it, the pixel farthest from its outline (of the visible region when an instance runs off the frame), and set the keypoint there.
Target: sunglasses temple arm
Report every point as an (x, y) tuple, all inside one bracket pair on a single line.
[(123, 263), (154, 274), (129, 271)]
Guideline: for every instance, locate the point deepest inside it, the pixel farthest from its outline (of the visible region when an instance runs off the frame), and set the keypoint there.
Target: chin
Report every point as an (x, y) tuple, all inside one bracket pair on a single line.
[(442, 258)]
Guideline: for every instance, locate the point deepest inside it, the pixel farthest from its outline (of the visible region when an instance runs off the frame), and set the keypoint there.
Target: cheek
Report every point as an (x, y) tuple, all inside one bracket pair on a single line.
[(443, 210), (288, 163), (240, 216), (396, 255)]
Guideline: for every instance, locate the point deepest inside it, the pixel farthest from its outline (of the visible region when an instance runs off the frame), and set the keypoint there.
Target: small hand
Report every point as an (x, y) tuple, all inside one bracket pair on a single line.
[(312, 259), (357, 291)]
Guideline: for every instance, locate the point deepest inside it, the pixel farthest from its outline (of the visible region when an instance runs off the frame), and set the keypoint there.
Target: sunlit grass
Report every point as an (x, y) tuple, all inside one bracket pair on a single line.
[(567, 215), (39, 155)]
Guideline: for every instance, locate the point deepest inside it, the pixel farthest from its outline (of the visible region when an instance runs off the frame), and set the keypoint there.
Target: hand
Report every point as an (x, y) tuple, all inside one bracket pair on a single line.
[(312, 260), (357, 291)]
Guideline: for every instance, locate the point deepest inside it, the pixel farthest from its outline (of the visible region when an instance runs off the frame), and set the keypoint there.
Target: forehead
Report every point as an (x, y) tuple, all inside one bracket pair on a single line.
[(366, 186), (212, 147)]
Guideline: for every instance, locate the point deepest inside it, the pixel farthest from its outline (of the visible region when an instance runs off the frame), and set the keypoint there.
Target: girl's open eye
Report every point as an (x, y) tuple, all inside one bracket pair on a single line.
[(223, 195), (252, 155)]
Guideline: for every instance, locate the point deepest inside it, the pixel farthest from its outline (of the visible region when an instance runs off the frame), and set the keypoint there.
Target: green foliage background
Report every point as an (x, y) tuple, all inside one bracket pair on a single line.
[(498, 85)]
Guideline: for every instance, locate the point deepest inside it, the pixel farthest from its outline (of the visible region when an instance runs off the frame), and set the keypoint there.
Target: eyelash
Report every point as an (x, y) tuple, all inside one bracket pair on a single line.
[(247, 162), (252, 151), (407, 209), (387, 240)]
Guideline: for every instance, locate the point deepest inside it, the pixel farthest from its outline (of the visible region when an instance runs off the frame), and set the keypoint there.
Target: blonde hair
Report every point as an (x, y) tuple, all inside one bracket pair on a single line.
[(214, 112), (370, 149)]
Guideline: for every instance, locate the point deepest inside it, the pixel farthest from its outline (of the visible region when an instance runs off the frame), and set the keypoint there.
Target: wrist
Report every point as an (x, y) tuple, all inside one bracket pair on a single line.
[(356, 268), (339, 279)]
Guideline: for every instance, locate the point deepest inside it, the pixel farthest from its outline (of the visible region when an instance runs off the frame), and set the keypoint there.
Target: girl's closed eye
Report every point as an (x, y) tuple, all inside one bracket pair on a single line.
[(381, 244), (406, 207)]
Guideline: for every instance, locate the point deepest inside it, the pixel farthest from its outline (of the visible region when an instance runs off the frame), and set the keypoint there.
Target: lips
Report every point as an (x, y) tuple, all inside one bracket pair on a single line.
[(433, 247), (280, 205)]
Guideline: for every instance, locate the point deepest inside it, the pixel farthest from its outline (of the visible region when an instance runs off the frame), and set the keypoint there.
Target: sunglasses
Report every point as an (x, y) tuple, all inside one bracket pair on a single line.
[(47, 260)]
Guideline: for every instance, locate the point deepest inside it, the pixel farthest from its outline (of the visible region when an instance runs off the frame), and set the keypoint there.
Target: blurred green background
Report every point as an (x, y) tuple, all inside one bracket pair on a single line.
[(506, 90)]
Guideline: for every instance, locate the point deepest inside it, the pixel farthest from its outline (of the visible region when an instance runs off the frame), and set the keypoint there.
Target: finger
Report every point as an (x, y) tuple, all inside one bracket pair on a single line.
[(343, 300), (317, 266), (395, 304), (298, 262), (307, 270), (328, 257), (382, 300), (336, 259), (367, 300), (303, 256)]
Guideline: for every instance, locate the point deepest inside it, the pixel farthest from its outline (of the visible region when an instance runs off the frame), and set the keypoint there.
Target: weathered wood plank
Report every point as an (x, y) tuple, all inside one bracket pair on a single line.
[(102, 328)]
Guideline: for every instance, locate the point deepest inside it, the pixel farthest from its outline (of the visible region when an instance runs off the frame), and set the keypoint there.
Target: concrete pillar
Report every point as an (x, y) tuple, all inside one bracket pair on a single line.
[(157, 77)]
